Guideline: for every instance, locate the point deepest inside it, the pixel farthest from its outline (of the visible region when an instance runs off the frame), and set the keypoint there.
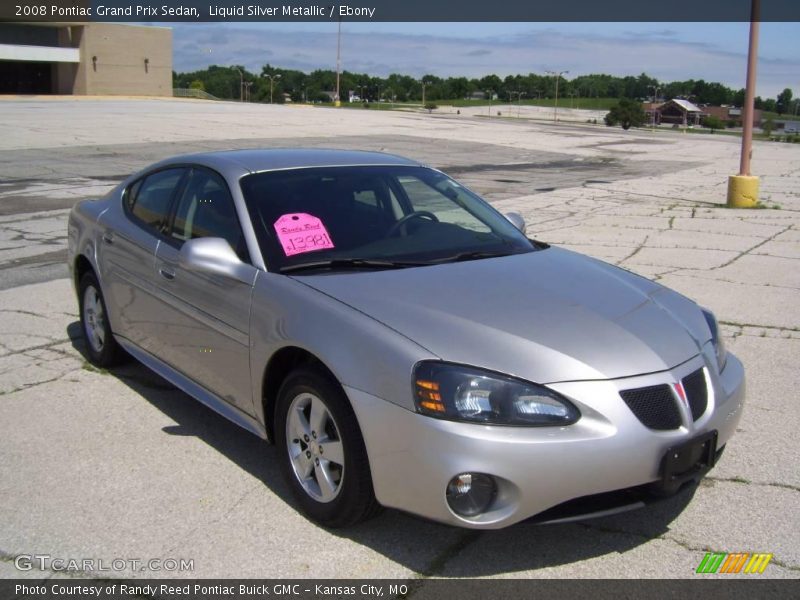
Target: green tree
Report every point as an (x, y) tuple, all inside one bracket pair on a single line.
[(627, 113), (713, 123), (784, 102), (493, 83), (457, 87)]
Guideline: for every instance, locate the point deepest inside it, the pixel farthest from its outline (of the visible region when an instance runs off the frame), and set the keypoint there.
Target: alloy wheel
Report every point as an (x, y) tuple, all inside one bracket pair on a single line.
[(315, 447)]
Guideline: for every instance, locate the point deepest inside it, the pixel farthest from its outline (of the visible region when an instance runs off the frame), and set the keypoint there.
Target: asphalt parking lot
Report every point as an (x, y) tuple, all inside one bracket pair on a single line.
[(121, 465)]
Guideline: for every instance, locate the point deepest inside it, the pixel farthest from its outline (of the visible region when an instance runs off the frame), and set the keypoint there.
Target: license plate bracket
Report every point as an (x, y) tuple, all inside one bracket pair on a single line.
[(687, 461)]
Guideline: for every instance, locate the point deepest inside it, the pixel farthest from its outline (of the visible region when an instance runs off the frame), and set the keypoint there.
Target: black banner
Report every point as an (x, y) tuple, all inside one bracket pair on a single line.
[(747, 587), (394, 10)]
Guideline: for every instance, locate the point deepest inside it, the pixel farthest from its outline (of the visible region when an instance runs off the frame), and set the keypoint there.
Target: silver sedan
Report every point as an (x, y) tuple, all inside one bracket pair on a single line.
[(404, 344)]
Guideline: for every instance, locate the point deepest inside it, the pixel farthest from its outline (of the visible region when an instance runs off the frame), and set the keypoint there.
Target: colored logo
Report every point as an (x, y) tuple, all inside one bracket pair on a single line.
[(735, 562), (680, 391)]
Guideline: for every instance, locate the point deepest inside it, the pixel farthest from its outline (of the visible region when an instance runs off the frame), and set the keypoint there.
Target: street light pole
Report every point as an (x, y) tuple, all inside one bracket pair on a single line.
[(241, 82), (655, 89), (743, 188), (519, 94), (272, 79), (338, 62), (749, 94), (557, 75)]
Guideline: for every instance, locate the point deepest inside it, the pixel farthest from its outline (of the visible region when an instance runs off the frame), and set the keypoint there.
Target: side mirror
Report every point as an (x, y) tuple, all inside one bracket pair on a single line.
[(516, 219), (215, 256)]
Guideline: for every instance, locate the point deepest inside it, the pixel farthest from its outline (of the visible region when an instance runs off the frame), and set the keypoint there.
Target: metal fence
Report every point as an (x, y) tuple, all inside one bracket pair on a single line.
[(191, 93)]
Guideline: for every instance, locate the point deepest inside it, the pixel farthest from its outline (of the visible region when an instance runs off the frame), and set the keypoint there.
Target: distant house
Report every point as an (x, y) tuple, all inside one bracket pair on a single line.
[(681, 112), (728, 114), (651, 110), (331, 95)]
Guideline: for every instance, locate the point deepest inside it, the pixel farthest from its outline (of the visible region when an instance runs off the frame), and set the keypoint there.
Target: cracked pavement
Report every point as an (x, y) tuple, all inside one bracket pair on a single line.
[(122, 465)]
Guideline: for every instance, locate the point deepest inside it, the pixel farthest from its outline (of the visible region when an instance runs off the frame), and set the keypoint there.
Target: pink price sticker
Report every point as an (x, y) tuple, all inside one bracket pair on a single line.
[(301, 232)]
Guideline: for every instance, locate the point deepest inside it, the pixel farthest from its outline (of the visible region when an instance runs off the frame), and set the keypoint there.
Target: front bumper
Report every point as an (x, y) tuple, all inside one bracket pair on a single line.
[(413, 457)]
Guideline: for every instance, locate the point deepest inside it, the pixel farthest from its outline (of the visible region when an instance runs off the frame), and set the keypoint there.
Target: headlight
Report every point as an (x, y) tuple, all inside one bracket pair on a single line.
[(716, 340), (461, 393)]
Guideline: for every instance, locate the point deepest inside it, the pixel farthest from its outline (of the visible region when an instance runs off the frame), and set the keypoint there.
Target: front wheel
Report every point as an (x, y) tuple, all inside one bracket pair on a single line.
[(322, 451)]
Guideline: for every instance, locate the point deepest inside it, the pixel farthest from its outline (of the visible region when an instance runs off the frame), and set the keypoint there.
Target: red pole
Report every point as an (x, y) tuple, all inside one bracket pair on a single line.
[(750, 90)]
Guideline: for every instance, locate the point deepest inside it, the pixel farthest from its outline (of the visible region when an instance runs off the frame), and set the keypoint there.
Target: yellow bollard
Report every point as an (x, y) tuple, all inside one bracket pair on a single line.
[(337, 103), (742, 191)]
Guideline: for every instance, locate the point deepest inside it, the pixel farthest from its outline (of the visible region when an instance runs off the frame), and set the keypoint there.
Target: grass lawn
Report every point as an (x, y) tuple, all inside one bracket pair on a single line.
[(566, 102)]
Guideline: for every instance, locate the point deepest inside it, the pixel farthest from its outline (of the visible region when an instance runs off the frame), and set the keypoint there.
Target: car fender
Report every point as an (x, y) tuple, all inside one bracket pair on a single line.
[(359, 351)]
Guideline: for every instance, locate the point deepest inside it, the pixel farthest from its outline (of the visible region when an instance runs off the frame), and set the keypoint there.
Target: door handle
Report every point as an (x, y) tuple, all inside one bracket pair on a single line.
[(108, 237), (167, 273)]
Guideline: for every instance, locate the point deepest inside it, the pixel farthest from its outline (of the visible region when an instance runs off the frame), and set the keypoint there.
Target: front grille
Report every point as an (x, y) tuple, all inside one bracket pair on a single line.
[(696, 393), (654, 406)]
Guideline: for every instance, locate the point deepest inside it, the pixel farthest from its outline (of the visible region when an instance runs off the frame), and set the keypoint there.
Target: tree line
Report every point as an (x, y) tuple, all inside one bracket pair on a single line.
[(224, 82)]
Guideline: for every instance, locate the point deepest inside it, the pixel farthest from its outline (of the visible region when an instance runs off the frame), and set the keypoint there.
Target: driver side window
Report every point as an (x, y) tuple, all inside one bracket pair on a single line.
[(206, 209)]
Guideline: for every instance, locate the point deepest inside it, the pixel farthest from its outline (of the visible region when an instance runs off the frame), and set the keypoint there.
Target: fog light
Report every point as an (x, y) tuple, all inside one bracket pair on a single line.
[(470, 494)]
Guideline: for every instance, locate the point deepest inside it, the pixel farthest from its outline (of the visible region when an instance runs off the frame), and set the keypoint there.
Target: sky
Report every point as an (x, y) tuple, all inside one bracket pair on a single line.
[(666, 51)]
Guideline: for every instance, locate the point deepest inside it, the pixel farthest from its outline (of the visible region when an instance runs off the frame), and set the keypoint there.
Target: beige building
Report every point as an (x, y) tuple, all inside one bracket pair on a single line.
[(85, 59)]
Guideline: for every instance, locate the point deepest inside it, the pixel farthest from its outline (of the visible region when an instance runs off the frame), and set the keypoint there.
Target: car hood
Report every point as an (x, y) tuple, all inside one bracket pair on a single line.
[(546, 316)]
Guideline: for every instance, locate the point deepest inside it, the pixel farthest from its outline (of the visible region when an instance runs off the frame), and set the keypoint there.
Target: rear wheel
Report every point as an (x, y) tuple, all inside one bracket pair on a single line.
[(101, 347), (322, 451)]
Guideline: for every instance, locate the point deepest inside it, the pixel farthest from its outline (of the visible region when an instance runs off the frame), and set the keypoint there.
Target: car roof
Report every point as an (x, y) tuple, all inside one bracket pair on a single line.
[(271, 159)]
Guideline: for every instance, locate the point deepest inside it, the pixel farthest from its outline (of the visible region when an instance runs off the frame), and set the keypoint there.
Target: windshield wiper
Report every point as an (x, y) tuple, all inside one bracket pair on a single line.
[(473, 255), (350, 263)]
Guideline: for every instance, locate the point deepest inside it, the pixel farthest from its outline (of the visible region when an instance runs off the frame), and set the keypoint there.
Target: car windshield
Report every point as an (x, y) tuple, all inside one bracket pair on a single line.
[(372, 217)]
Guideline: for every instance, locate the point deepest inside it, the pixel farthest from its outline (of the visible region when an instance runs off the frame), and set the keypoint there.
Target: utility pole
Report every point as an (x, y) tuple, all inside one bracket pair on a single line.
[(743, 188), (557, 75)]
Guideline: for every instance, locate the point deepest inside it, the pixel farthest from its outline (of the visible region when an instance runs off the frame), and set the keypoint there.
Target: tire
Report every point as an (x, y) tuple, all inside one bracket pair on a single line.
[(102, 349), (334, 489)]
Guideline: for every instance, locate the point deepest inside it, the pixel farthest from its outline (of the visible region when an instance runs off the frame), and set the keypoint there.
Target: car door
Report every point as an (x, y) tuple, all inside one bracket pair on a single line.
[(206, 316), (130, 234)]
